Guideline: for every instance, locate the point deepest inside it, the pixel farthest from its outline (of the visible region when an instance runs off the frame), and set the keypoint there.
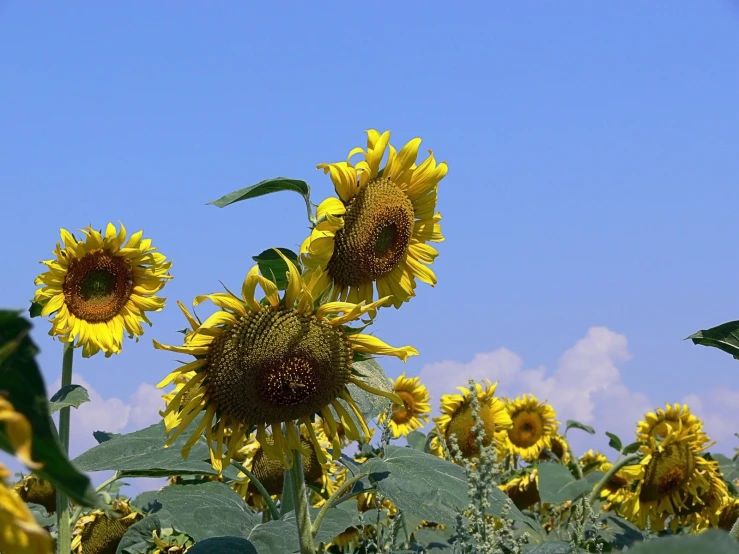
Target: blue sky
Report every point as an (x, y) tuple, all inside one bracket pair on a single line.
[(592, 150)]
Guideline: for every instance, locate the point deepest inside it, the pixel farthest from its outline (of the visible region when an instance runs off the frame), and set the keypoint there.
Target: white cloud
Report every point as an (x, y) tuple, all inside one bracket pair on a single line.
[(719, 410)]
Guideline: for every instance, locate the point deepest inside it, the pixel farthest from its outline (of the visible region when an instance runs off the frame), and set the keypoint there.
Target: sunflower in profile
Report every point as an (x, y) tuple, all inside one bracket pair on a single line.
[(377, 230), (533, 426), (100, 532), (100, 286), (674, 417), (415, 409), (672, 470), (457, 418), (264, 364), (34, 490), (704, 511), (523, 490), (593, 461), (558, 448)]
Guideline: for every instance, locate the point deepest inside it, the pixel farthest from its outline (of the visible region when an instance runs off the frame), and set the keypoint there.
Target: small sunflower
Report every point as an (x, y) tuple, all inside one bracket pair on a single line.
[(533, 427), (99, 532), (100, 287), (675, 417), (593, 461), (262, 365), (415, 409), (672, 470), (559, 448), (457, 418), (35, 490), (523, 490), (377, 230)]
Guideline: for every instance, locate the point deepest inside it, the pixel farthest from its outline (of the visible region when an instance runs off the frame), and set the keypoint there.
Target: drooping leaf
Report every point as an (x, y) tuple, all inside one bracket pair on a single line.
[(572, 424), (711, 541), (614, 441), (34, 310), (267, 186), (23, 385), (724, 337), (557, 485), (204, 510), (631, 448), (142, 454), (71, 395), (138, 537), (223, 545), (272, 266)]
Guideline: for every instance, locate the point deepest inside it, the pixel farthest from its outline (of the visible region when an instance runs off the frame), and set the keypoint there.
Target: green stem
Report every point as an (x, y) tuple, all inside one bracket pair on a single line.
[(78, 511), (64, 539), (332, 501), (297, 478), (609, 475), (267, 498), (574, 460)]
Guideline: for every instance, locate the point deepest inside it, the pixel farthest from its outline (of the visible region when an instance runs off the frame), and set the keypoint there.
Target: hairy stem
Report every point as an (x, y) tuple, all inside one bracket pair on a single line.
[(609, 475), (64, 539), (333, 500), (297, 479), (735, 530)]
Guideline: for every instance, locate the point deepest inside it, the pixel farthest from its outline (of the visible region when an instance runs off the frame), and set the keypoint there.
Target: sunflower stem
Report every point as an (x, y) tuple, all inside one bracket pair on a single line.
[(64, 539), (595, 494), (333, 501), (267, 498), (297, 478), (574, 460)]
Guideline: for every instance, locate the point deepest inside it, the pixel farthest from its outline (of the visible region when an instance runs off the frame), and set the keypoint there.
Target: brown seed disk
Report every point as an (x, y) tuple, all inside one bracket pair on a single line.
[(667, 472), (97, 286), (271, 473), (276, 366), (378, 225), (103, 535)]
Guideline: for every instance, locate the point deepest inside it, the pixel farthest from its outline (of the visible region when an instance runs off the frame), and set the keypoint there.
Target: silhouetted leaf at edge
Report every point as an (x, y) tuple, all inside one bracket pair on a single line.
[(267, 186), (142, 454), (711, 541), (21, 379), (71, 395), (34, 310), (272, 266), (724, 337), (137, 537), (204, 510), (614, 442), (102, 436), (573, 424), (223, 545)]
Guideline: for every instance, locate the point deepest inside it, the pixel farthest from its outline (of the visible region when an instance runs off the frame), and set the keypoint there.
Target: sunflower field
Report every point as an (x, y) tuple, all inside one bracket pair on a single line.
[(281, 433)]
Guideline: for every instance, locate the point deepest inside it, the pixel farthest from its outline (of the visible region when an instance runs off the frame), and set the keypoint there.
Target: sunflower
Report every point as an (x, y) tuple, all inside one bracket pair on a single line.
[(729, 514), (34, 490), (559, 448), (704, 511), (377, 230), (350, 537), (674, 417), (367, 501), (533, 426), (592, 461), (523, 490), (619, 487), (267, 364), (457, 418), (672, 470), (99, 532), (100, 286), (415, 409)]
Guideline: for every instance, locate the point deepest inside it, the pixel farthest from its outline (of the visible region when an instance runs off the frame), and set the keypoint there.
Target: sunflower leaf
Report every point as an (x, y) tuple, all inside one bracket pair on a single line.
[(416, 440), (614, 441), (267, 186), (712, 540), (223, 545), (34, 309), (138, 537), (371, 405), (573, 424), (557, 485), (22, 384), (631, 448), (272, 266), (724, 337), (70, 396)]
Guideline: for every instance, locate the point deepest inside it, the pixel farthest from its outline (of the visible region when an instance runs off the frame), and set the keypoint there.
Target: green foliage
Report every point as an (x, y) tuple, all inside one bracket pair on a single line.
[(572, 424), (224, 545), (267, 186), (71, 395), (21, 382), (272, 266), (371, 372), (724, 337), (138, 537), (557, 485), (614, 442), (708, 542)]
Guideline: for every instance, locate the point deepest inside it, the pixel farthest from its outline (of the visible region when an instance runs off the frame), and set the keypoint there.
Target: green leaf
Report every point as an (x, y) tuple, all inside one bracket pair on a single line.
[(711, 541), (619, 532), (41, 515), (614, 441), (371, 405), (275, 537), (336, 521), (223, 545), (724, 337), (272, 266), (728, 467), (571, 423), (35, 309), (142, 454), (416, 440), (138, 537), (550, 547), (21, 381), (557, 485), (204, 510), (631, 448), (71, 395), (266, 187)]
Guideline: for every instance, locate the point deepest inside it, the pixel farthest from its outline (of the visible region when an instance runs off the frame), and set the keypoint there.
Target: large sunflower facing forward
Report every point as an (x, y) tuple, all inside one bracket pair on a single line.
[(415, 409), (533, 426), (377, 230), (457, 418), (262, 364), (101, 286)]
